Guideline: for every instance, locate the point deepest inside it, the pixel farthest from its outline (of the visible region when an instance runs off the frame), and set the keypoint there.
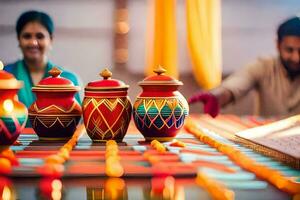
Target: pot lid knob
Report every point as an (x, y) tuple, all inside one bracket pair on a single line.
[(106, 74), (160, 70), (54, 72)]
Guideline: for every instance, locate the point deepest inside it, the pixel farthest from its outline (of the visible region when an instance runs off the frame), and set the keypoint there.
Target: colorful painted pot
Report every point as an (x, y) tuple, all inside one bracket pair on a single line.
[(106, 109), (159, 111), (55, 113), (13, 114)]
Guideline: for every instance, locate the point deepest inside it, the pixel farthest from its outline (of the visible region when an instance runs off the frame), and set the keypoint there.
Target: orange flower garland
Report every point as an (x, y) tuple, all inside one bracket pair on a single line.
[(113, 167), (7, 160), (216, 190), (177, 143), (158, 146), (54, 163)]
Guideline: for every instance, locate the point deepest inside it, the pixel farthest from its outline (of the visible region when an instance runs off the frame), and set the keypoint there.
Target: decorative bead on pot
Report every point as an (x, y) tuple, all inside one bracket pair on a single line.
[(55, 113), (160, 109), (13, 114), (106, 108)]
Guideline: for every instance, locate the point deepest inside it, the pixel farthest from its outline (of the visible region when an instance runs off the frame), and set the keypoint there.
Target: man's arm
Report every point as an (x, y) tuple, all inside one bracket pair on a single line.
[(234, 87), (223, 95)]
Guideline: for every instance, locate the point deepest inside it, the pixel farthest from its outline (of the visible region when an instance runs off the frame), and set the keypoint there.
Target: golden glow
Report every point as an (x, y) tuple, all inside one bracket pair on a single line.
[(122, 27), (56, 184), (6, 194), (114, 188), (56, 189), (168, 192), (8, 105), (1, 65), (179, 194), (56, 194), (116, 183)]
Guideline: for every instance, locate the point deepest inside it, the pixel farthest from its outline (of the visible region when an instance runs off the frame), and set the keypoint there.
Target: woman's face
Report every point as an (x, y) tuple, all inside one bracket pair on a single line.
[(35, 42)]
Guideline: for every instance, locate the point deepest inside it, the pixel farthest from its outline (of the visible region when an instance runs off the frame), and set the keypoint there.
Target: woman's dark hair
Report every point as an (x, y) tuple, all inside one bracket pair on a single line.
[(35, 16), (290, 27)]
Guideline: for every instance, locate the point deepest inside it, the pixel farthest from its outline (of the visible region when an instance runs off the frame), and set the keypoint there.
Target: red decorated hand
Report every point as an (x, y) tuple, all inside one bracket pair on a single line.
[(210, 101)]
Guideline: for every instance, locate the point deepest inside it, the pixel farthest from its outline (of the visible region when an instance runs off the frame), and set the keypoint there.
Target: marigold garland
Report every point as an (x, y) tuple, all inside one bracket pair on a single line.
[(113, 167), (53, 166), (216, 190)]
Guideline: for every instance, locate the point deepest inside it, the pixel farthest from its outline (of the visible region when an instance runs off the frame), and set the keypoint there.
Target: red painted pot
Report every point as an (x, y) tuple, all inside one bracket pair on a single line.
[(160, 109), (106, 108), (55, 113), (13, 114)]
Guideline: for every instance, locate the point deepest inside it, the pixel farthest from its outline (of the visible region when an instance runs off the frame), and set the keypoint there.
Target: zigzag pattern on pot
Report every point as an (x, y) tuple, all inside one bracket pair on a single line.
[(159, 113), (93, 125), (49, 122), (53, 109), (10, 126)]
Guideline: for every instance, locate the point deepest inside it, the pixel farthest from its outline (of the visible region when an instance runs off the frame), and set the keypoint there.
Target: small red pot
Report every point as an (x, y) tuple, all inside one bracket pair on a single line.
[(55, 113), (106, 108)]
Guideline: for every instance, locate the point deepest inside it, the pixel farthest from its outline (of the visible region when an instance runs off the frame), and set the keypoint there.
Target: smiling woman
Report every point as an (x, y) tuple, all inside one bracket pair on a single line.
[(35, 37), (35, 41)]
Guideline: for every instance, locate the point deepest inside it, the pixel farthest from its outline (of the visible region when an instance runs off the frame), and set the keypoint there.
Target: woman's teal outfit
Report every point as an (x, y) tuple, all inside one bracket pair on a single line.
[(21, 72)]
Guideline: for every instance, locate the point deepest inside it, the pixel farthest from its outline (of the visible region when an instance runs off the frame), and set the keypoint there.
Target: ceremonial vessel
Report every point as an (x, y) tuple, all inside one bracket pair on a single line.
[(13, 114), (160, 109), (55, 113), (106, 108)]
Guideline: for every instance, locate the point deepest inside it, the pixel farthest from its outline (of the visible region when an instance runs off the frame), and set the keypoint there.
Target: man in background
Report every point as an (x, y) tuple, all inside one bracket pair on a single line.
[(276, 79)]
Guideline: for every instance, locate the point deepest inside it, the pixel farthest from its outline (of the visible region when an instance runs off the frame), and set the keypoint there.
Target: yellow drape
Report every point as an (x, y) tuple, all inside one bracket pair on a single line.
[(161, 37), (204, 40)]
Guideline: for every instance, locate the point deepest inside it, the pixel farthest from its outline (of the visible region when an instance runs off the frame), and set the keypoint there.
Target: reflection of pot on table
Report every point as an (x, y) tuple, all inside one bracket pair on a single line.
[(50, 188), (7, 190), (112, 188)]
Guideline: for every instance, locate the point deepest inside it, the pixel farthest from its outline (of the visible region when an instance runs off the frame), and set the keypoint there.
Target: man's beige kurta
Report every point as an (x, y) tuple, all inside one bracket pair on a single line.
[(278, 94)]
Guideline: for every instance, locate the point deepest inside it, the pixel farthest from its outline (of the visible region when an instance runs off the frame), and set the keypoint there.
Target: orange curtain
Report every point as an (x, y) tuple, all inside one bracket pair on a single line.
[(204, 41), (161, 37)]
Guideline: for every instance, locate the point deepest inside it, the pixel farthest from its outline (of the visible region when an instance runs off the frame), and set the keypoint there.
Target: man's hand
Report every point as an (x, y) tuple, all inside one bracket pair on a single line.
[(210, 101)]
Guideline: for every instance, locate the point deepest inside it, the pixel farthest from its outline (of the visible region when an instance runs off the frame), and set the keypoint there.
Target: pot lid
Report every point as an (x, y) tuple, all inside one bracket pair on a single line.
[(7, 80), (107, 83), (55, 82), (160, 78)]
